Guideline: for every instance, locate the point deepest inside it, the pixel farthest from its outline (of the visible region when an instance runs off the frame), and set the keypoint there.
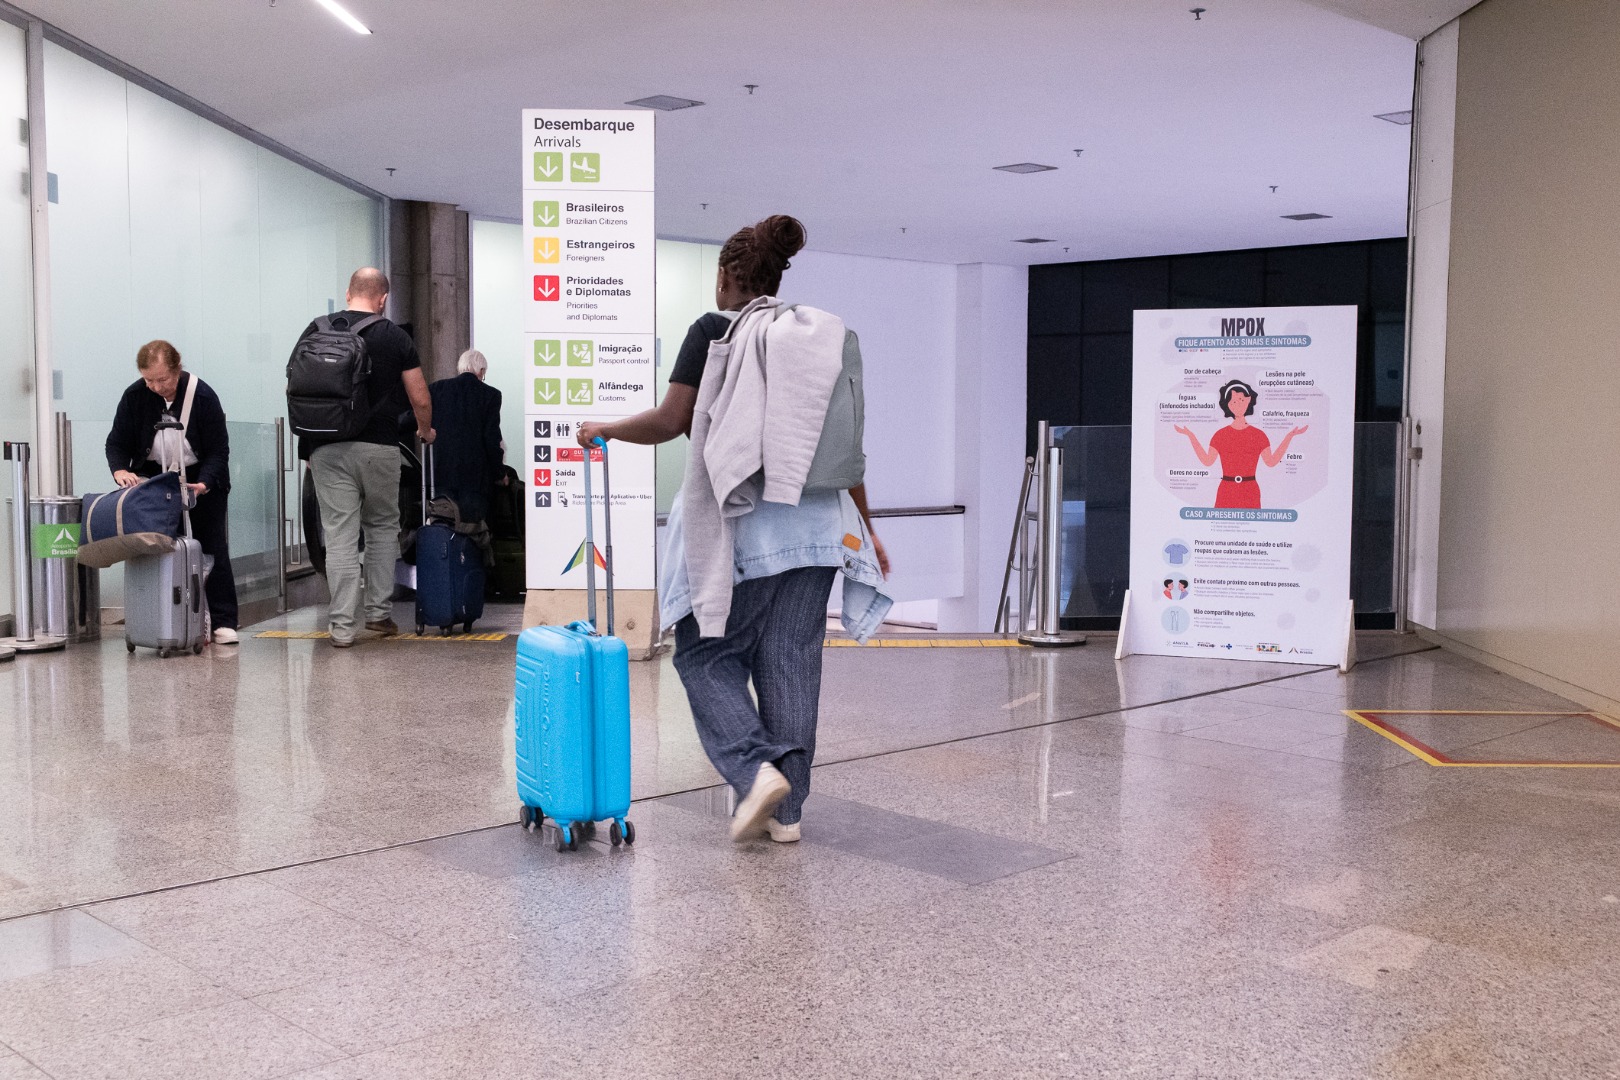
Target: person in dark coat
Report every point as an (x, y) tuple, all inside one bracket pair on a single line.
[(162, 389), (467, 453)]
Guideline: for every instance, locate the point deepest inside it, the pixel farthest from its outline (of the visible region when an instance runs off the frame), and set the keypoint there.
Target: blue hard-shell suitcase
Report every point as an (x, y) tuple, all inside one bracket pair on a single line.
[(449, 570), (573, 714), (449, 579)]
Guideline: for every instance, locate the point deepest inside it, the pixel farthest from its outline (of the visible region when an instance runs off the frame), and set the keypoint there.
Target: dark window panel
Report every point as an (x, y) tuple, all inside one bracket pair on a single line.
[(1054, 298), (1105, 379), (1114, 290), (1386, 274), (1224, 279), (1325, 274), (1054, 383), (1388, 370)]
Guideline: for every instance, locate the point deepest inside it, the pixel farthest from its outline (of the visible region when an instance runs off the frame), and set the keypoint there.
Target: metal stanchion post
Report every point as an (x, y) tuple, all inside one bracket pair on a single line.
[(64, 453), (1047, 633), (22, 559), (281, 513)]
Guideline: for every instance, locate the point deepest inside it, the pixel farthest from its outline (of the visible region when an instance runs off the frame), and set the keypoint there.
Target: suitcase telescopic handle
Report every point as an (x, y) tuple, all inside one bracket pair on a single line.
[(607, 528), (590, 538), (429, 484)]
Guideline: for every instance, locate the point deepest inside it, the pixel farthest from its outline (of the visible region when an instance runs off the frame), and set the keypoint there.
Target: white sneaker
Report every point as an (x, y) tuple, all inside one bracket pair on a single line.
[(770, 788), (225, 636), (783, 834)]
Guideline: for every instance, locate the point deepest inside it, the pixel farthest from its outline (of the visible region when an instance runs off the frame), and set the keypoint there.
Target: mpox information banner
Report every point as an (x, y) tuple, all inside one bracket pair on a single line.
[(588, 316), (1242, 447)]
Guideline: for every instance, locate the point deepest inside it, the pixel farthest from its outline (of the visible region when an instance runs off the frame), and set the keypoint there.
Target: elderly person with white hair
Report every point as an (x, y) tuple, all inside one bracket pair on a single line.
[(467, 450)]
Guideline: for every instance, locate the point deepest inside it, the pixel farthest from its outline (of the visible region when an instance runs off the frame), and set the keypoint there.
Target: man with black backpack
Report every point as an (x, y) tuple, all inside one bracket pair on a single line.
[(350, 377)]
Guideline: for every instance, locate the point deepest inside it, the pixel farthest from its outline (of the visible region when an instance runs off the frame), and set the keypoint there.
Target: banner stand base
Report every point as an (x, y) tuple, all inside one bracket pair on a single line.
[(1121, 649), (1347, 657), (1059, 640), (37, 644), (637, 615)]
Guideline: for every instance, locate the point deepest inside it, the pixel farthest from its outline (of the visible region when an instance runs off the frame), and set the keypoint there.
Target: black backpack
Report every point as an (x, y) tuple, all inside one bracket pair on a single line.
[(329, 380)]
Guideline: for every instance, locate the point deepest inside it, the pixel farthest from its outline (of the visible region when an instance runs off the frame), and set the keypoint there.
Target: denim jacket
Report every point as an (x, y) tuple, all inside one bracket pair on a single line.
[(775, 537)]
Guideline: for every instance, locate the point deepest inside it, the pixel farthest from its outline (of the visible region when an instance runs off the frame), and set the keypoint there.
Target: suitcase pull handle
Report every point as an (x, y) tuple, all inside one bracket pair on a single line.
[(196, 593), (430, 485), (590, 537)]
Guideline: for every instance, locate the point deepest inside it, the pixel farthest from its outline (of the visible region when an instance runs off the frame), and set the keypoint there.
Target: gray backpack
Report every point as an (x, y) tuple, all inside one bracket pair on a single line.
[(840, 461)]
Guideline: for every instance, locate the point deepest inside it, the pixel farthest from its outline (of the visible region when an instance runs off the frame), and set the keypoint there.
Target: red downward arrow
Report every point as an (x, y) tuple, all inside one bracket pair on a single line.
[(545, 287)]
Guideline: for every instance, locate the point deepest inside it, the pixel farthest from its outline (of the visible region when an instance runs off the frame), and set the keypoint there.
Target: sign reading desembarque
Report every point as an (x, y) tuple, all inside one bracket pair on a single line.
[(588, 243), (1242, 448)]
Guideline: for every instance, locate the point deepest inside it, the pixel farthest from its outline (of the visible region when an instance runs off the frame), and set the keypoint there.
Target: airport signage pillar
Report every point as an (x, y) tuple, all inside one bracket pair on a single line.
[(588, 288), (1242, 455)]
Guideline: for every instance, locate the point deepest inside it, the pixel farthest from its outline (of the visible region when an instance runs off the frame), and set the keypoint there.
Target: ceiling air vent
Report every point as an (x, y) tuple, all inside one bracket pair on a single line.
[(1034, 240), (1306, 217), (664, 103), (1026, 167), (1403, 118)]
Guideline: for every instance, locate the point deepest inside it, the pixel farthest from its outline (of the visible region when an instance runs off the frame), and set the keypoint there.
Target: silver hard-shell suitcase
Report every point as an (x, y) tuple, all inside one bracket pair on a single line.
[(164, 607)]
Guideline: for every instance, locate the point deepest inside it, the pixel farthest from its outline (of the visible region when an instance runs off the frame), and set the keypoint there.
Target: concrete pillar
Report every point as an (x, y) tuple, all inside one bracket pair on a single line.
[(430, 255)]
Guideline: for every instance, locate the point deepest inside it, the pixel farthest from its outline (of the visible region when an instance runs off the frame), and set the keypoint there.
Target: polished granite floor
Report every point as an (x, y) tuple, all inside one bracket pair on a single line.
[(1015, 864)]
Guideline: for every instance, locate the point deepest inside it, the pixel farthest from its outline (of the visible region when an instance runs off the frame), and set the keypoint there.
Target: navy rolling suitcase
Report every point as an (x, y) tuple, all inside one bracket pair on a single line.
[(449, 569), (573, 712)]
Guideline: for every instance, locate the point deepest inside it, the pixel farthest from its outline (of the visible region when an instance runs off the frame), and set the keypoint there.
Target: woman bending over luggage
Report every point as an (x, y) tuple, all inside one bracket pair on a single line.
[(162, 390), (762, 388)]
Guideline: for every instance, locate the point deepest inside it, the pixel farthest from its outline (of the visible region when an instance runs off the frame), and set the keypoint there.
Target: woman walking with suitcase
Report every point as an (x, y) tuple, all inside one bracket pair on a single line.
[(764, 623), (165, 389)]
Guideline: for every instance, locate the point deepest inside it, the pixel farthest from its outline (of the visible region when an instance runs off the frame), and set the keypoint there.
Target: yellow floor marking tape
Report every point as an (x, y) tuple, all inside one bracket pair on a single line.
[(306, 635), (1368, 718), (831, 643), (926, 643)]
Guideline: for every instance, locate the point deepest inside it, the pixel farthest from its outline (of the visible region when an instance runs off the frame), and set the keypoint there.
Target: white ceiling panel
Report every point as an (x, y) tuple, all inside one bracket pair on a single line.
[(1414, 19), (879, 124)]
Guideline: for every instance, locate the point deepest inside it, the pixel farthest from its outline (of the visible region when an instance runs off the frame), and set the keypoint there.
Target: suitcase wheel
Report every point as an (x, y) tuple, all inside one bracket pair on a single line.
[(466, 627), (129, 645), (629, 832), (196, 650), (567, 838), (530, 817), (419, 628), (163, 652), (622, 832)]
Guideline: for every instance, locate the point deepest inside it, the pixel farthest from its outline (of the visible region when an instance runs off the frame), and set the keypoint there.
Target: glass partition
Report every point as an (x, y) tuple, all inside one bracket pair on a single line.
[(91, 476), (254, 520), (1095, 556), (16, 276), (169, 226)]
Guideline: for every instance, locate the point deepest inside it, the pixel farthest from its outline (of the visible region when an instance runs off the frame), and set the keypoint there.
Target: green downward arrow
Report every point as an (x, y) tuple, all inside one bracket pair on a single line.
[(547, 391), (548, 166), (545, 215)]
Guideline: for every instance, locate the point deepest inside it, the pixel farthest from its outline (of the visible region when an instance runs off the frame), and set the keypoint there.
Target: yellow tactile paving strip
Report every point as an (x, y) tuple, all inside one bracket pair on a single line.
[(1383, 721), (432, 635), (831, 643), (927, 643)]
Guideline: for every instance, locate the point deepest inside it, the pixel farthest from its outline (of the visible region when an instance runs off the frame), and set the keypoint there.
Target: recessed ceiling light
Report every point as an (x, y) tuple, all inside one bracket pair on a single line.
[(1403, 117), (1026, 167), (664, 103), (1306, 217), (1034, 240), (343, 16)]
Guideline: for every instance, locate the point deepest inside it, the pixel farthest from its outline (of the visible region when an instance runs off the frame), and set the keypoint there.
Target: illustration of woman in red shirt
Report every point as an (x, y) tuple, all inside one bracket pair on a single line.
[(1240, 447)]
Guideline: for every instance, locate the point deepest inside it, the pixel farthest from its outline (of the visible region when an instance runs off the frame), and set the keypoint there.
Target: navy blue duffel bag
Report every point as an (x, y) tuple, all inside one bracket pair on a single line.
[(132, 521)]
